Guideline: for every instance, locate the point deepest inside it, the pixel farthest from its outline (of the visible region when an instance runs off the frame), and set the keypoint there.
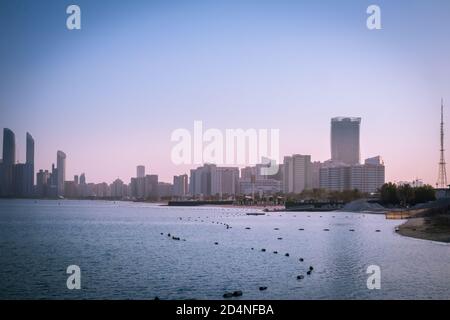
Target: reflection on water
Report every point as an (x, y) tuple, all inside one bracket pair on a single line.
[(123, 255)]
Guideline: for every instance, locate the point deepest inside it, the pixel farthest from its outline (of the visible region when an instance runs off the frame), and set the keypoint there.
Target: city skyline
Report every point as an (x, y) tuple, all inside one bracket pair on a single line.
[(117, 93), (345, 132), (296, 173)]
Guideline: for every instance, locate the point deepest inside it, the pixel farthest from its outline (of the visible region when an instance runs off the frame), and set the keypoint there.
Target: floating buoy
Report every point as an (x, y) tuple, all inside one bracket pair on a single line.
[(262, 288), (300, 277), (301, 260), (308, 273), (237, 293), (263, 250), (311, 268), (275, 252), (287, 254)]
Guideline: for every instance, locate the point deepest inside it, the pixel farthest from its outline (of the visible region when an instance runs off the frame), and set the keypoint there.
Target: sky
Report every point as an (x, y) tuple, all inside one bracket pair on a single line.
[(110, 95)]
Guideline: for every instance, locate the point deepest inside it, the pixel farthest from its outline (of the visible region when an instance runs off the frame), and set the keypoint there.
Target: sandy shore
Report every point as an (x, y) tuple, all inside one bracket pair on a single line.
[(435, 228)]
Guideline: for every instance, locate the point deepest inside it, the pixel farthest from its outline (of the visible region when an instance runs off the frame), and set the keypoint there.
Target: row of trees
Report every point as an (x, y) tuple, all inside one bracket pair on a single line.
[(324, 195), (389, 194), (405, 195)]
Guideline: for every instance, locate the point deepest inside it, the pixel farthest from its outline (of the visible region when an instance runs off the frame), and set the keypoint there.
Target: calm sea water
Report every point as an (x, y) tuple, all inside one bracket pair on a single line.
[(122, 254)]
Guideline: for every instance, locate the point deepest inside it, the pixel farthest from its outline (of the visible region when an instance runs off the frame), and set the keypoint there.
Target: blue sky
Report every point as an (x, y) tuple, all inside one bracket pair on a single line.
[(110, 94)]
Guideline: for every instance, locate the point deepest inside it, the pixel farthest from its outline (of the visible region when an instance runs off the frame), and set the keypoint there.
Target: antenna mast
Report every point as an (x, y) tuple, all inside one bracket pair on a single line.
[(442, 178)]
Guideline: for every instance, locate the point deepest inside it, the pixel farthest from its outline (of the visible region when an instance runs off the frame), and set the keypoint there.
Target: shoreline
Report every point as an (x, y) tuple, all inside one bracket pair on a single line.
[(433, 228)]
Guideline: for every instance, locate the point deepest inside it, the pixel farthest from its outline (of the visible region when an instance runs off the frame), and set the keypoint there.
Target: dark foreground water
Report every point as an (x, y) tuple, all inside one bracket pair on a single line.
[(122, 254)]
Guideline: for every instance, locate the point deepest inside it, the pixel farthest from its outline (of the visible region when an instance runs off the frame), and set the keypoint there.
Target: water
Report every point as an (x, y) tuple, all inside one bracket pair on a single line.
[(122, 254)]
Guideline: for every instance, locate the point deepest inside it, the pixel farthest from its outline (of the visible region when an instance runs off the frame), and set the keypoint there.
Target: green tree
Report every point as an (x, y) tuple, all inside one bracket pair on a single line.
[(424, 194), (405, 194), (388, 194)]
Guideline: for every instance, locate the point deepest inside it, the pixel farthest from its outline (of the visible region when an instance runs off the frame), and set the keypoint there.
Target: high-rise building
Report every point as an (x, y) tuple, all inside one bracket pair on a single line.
[(71, 190), (117, 190), (19, 179), (42, 183), (140, 188), (29, 166), (61, 173), (248, 173), (53, 182), (9, 147), (314, 175), (200, 180), (165, 190), (334, 176), (345, 140), (8, 161), (224, 181), (82, 178), (30, 149), (101, 190), (150, 186), (140, 171), (367, 177), (180, 185), (296, 176), (133, 187)]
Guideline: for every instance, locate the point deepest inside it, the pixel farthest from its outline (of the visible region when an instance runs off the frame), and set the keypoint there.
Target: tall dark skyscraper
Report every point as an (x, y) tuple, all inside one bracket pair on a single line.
[(9, 147), (30, 149), (29, 166), (61, 172), (8, 161), (345, 140)]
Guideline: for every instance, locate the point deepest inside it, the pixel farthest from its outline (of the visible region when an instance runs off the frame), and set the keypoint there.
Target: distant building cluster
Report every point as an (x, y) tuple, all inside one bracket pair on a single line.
[(296, 174), (16, 179)]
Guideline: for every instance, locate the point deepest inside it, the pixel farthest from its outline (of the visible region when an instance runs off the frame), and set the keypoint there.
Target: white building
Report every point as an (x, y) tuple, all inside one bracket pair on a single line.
[(140, 171), (180, 185), (334, 176), (259, 186), (224, 181), (200, 180), (165, 189), (117, 189), (367, 177), (296, 176)]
